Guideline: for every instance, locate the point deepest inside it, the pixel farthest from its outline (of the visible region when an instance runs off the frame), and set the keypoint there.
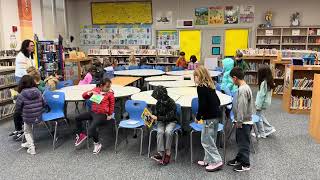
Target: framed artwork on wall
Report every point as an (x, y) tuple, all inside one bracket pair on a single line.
[(215, 51), (216, 39)]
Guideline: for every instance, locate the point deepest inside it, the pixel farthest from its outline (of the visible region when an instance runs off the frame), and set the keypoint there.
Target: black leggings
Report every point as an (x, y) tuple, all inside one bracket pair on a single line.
[(18, 121), (96, 120)]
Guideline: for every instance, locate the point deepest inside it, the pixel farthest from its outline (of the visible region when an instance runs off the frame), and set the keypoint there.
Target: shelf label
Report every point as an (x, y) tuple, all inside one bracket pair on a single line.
[(269, 32), (295, 32), (318, 32)]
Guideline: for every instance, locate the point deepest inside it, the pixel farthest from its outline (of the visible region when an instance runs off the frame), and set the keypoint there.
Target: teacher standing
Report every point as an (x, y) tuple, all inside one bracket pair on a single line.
[(24, 59)]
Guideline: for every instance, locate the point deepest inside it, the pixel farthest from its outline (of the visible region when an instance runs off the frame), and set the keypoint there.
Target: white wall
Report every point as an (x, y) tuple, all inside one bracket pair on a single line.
[(79, 13), (9, 17)]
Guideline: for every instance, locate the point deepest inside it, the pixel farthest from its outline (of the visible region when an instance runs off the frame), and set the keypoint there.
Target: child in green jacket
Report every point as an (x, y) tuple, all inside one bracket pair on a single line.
[(239, 62), (263, 100)]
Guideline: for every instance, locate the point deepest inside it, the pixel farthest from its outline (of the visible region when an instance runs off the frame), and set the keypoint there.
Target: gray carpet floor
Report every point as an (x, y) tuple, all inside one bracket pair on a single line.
[(289, 153)]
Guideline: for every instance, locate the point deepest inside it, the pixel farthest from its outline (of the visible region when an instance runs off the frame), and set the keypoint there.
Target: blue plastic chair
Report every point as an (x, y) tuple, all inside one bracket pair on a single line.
[(133, 67), (218, 87), (162, 68), (198, 128), (119, 68), (62, 84), (134, 109), (175, 131), (146, 67), (175, 68), (108, 74), (56, 101)]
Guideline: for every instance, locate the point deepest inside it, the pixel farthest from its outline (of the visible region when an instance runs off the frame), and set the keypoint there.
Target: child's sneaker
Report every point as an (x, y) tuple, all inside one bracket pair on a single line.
[(157, 157), (25, 145), (18, 136), (214, 167), (14, 133), (202, 163), (233, 162), (31, 150), (80, 138), (97, 147), (270, 132), (241, 168), (166, 160)]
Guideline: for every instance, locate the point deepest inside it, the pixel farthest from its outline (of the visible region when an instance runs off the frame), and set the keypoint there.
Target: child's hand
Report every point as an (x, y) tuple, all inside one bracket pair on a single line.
[(154, 117), (109, 118), (238, 125)]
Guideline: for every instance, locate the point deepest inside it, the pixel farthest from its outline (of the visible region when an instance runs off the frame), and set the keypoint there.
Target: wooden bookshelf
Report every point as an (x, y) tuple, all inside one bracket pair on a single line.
[(314, 124), (74, 68), (7, 82), (295, 38), (298, 72), (278, 70)]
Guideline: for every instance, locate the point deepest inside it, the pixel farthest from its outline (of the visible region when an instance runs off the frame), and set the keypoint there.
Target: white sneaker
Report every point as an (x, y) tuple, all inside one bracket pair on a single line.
[(25, 145), (270, 132), (97, 148), (254, 135), (31, 150)]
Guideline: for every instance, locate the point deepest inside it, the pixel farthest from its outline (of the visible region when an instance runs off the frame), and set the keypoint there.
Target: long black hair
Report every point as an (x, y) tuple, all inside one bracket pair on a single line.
[(26, 81), (193, 58), (265, 74), (25, 44)]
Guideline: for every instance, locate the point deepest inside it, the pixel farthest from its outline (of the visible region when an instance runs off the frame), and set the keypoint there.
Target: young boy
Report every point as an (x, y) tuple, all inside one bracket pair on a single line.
[(239, 62), (242, 109), (181, 62)]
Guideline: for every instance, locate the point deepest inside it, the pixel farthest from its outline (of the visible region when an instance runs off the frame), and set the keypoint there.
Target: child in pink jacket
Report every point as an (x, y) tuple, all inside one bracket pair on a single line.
[(193, 64), (88, 78)]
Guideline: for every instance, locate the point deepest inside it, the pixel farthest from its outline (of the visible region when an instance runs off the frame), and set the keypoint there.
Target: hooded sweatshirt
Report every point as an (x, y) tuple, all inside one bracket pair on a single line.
[(30, 103), (165, 106), (227, 83)]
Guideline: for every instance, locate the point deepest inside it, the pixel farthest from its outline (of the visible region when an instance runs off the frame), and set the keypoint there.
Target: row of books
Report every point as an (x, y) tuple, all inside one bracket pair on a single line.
[(268, 41), (278, 89), (48, 47), (259, 52), (251, 79), (278, 73), (8, 53), (294, 40), (254, 66), (128, 52), (7, 79), (300, 102), (7, 110), (303, 83), (7, 63), (5, 95)]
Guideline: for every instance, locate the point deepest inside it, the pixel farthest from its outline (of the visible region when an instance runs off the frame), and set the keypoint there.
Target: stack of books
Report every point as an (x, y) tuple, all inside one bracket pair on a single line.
[(300, 102), (303, 84), (7, 110), (7, 79), (278, 89)]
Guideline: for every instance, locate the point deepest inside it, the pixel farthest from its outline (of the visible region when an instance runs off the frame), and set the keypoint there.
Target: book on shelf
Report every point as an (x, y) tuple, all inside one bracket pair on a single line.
[(278, 73), (303, 84), (7, 79), (278, 89), (5, 95), (254, 66), (7, 109), (300, 102), (251, 79)]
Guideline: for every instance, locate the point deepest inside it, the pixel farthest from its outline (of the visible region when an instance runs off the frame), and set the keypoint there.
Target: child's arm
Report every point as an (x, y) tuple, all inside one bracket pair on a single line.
[(19, 103), (241, 106), (88, 78), (261, 95), (87, 94), (111, 104), (178, 62), (201, 102)]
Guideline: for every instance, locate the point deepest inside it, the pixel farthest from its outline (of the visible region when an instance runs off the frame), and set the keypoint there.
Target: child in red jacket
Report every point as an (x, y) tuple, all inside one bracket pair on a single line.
[(102, 108)]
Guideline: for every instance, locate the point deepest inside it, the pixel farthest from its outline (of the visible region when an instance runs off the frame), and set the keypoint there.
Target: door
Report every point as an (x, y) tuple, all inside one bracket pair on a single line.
[(235, 39), (190, 43)]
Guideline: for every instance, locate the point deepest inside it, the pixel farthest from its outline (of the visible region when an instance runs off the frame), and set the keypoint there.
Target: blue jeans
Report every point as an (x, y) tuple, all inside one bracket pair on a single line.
[(208, 141), (263, 126)]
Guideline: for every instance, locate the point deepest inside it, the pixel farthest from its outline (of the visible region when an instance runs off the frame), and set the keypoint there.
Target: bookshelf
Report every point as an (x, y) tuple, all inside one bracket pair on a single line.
[(74, 67), (279, 74), (314, 124), (7, 82), (298, 88), (289, 38)]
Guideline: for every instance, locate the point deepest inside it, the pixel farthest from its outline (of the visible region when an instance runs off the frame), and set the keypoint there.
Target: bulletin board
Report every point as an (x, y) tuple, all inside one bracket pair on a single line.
[(190, 43), (235, 39), (97, 35), (167, 38), (121, 12)]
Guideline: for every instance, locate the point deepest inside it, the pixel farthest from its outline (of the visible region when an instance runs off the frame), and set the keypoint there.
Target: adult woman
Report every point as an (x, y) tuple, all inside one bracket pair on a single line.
[(24, 59)]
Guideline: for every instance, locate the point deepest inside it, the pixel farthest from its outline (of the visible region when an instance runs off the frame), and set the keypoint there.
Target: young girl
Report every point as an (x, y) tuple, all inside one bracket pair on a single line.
[(102, 108), (32, 71), (181, 62), (209, 111), (52, 81), (30, 103), (193, 64), (166, 118), (132, 60), (263, 100), (88, 78)]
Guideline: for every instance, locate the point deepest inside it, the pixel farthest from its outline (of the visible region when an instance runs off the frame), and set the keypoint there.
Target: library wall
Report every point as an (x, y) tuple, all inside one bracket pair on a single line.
[(79, 14)]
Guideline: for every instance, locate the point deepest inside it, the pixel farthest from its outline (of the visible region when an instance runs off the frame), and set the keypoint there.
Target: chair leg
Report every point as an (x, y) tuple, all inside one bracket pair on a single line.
[(66, 121), (55, 134), (141, 141), (191, 150), (149, 146), (77, 108), (255, 129), (116, 143), (87, 129), (45, 123), (224, 148), (233, 129), (177, 143)]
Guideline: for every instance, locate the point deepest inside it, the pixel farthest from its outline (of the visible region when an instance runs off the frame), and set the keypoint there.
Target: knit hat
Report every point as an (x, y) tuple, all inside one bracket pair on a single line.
[(160, 93)]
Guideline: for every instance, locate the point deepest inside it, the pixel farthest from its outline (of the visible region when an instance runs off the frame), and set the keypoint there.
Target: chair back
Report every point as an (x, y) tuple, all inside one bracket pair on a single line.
[(108, 74), (55, 101), (135, 108), (179, 112), (175, 68), (218, 87), (133, 67), (162, 68), (62, 84), (146, 67), (194, 106), (120, 68)]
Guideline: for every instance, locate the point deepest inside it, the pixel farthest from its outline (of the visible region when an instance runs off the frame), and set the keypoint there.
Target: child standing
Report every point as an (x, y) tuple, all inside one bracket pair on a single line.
[(242, 108), (166, 118), (193, 64), (181, 62), (30, 103), (239, 62), (227, 85), (88, 78), (263, 100), (102, 109), (32, 71), (208, 111)]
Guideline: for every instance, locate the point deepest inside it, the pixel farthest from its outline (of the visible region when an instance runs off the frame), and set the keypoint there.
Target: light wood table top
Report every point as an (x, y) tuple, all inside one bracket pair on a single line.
[(124, 80)]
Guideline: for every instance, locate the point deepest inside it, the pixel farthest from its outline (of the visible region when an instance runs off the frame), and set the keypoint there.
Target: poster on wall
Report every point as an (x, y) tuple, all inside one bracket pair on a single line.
[(216, 15), (167, 39), (25, 18), (231, 15), (246, 14), (115, 35), (164, 18), (201, 15)]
